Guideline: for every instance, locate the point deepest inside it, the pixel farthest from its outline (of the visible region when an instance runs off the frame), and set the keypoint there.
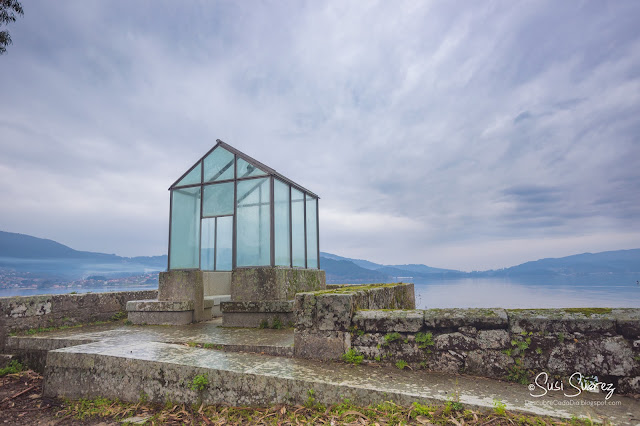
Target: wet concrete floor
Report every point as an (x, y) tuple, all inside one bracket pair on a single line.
[(166, 345)]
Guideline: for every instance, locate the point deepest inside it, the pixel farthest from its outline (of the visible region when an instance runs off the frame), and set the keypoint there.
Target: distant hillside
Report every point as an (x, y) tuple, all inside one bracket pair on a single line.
[(608, 262), (27, 247), (49, 258), (359, 262), (347, 272), (594, 264)]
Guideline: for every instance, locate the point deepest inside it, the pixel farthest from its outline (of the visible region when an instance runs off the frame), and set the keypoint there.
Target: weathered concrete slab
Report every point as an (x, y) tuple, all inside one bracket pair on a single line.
[(34, 348), (274, 283), (258, 319), (165, 371), (216, 283), (153, 305), (263, 314), (267, 306)]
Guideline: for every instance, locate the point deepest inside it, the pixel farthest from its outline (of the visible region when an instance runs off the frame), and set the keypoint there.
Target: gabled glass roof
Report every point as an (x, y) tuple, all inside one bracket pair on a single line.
[(217, 165)]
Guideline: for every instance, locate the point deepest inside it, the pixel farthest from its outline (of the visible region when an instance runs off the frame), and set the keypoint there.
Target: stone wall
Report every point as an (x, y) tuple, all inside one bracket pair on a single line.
[(323, 318), (515, 345), (23, 313)]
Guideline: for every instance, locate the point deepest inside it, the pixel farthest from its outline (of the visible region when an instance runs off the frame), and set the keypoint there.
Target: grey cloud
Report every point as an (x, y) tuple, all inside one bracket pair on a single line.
[(480, 122)]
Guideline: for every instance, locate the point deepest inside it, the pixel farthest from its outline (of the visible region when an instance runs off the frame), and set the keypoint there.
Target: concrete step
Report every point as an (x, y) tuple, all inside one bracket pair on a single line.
[(165, 372), (216, 302)]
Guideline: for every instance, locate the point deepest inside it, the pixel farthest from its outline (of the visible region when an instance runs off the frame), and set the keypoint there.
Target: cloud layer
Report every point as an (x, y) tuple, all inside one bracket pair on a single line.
[(466, 135)]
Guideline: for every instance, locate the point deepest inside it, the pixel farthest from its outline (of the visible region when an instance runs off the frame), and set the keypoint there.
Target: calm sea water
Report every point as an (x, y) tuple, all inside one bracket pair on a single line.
[(541, 292)]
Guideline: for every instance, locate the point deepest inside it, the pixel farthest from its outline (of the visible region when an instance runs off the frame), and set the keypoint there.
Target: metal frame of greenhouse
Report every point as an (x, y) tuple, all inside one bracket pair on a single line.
[(230, 211)]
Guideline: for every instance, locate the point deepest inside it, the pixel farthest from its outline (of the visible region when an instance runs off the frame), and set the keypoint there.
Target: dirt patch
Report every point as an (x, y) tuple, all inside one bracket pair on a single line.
[(21, 402)]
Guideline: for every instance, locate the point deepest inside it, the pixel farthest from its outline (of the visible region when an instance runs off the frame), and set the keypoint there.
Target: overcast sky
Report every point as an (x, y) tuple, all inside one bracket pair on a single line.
[(459, 134)]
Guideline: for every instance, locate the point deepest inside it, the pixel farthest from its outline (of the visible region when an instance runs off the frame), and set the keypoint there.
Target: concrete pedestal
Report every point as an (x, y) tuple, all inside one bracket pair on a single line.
[(274, 283), (183, 297), (263, 296)]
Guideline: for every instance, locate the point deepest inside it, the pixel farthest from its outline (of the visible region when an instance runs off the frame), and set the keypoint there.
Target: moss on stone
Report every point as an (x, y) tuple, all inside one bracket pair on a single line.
[(588, 311), (356, 288), (555, 312)]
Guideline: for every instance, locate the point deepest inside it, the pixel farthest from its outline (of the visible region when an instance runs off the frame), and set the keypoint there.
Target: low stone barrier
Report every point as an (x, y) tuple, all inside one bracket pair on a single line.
[(323, 318), (516, 345), (22, 313)]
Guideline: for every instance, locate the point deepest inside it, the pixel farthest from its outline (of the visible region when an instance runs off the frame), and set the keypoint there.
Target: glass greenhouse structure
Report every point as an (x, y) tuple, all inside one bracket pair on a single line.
[(230, 211)]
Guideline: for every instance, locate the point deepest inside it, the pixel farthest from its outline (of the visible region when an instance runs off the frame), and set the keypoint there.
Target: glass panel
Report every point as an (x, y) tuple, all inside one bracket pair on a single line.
[(312, 236), (185, 228), (207, 244), (218, 165), (217, 199), (246, 169), (297, 227), (192, 177), (253, 223), (281, 223), (224, 237)]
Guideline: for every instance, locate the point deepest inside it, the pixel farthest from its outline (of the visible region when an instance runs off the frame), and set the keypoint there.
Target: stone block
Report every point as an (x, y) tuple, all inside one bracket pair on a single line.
[(480, 318), (629, 385), (627, 322), (488, 363), (454, 341), (446, 362), (334, 311), (608, 356), (383, 296), (560, 321), (305, 310), (493, 339), (384, 321), (324, 345)]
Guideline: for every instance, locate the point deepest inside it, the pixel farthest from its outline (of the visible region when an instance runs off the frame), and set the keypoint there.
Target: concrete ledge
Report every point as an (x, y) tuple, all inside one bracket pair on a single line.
[(164, 372), (161, 318), (218, 299), (267, 306), (159, 306), (479, 318), (588, 320), (258, 319), (376, 320)]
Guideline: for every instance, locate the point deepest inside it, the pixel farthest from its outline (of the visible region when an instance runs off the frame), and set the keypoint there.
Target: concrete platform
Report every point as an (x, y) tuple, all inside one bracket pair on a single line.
[(34, 348), (126, 362)]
